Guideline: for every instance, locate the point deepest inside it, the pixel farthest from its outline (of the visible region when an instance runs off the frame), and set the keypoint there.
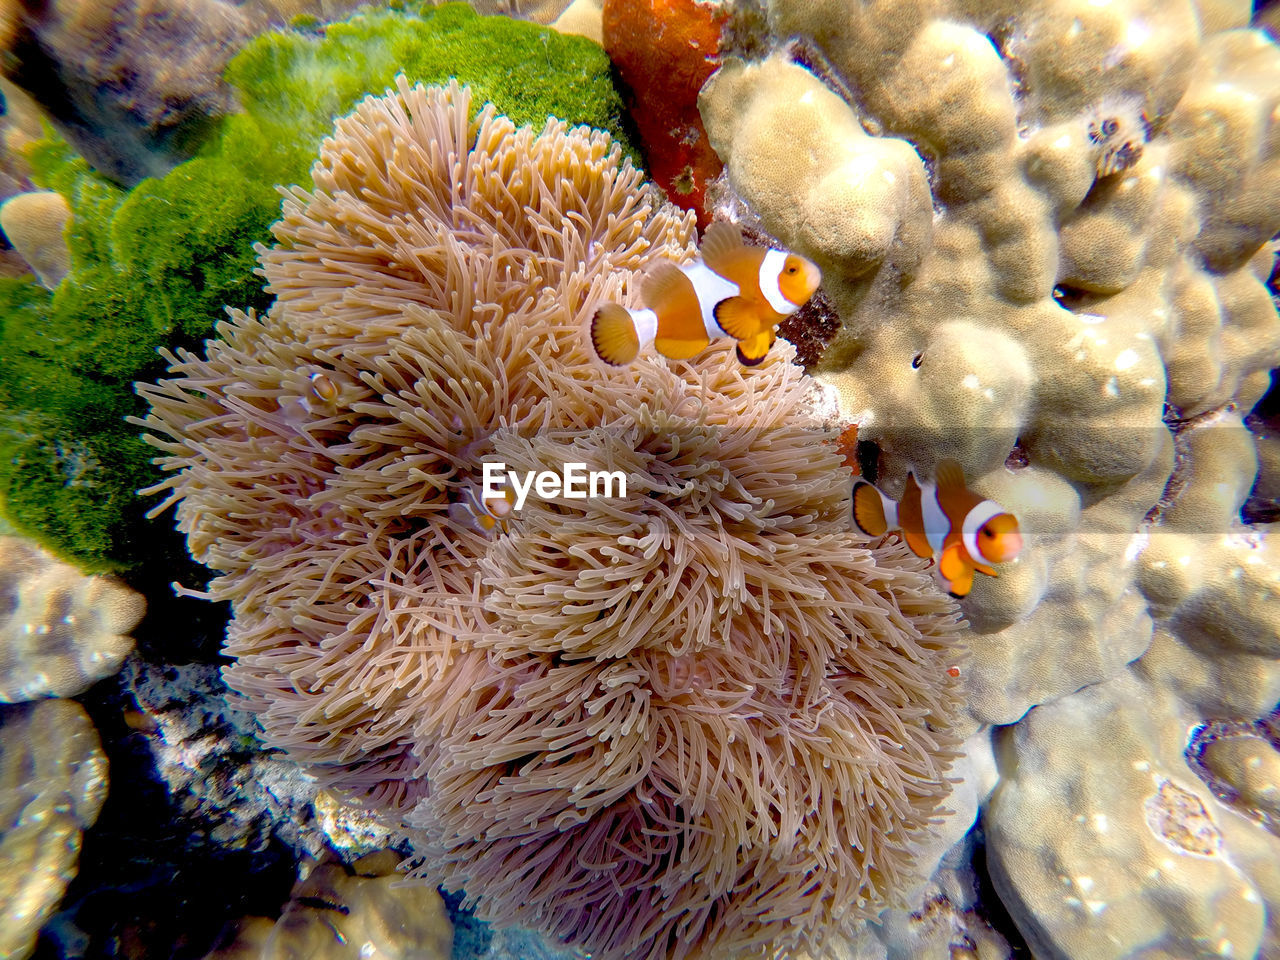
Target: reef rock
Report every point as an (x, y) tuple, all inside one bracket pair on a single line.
[(229, 788), (53, 780), (134, 84), (356, 912), (61, 630)]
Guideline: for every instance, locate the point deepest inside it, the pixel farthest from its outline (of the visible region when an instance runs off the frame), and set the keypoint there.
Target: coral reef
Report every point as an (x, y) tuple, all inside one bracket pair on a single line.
[(664, 51), (53, 778), (694, 720), (336, 912), (155, 265), (61, 631), (136, 85), (34, 223), (1045, 229)]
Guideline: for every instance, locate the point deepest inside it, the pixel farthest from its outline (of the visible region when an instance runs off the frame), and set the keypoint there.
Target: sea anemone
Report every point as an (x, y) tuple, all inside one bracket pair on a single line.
[(702, 719)]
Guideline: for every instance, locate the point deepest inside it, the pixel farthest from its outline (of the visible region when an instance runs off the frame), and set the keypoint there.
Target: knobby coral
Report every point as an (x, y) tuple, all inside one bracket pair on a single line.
[(1045, 228), (700, 719)]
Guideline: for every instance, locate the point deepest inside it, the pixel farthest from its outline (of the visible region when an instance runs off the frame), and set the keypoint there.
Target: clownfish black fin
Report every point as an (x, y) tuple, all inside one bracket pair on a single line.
[(950, 474), (755, 349), (720, 245), (868, 510), (614, 336), (740, 318)]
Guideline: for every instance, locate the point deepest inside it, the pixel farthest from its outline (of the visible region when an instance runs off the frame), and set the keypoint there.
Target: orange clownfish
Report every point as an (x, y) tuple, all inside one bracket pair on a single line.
[(483, 514), (946, 520), (732, 290)]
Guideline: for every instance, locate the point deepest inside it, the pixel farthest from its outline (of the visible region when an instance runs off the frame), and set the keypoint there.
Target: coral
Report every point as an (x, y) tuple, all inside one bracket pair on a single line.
[(61, 631), (694, 720), (799, 157), (582, 18), (1082, 320), (22, 125), (337, 912), (34, 223), (1154, 857), (135, 85), (539, 11), (155, 265), (53, 779), (1102, 836), (986, 334), (1251, 766), (664, 51)]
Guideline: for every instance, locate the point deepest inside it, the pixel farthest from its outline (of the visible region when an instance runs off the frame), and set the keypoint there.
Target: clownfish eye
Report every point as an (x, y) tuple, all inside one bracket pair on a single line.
[(987, 533), (792, 269)]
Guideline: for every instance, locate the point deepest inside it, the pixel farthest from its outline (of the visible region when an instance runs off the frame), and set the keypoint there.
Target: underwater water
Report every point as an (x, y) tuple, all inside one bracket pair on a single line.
[(640, 479)]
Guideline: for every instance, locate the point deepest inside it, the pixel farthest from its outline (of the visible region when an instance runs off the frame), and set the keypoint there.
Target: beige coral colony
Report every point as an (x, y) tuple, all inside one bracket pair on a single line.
[(708, 718)]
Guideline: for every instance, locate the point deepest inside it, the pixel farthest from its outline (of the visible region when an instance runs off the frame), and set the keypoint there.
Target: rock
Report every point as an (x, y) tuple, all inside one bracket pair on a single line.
[(61, 631), (53, 780)]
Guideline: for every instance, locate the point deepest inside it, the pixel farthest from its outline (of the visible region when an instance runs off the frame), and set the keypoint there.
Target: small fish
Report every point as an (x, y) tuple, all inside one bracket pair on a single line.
[(483, 514), (731, 290), (1118, 131), (946, 520)]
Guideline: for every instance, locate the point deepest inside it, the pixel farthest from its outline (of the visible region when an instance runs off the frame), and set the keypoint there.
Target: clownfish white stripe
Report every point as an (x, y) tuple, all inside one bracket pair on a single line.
[(974, 521), (710, 289), (936, 523), (890, 510), (770, 270), (646, 322)]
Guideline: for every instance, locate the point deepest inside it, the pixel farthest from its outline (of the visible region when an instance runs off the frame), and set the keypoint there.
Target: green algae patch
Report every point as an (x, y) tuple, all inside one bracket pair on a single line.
[(154, 266), (292, 85)]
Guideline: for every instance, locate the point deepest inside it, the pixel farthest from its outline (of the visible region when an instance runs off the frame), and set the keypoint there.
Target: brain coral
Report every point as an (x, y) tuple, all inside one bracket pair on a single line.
[(701, 719)]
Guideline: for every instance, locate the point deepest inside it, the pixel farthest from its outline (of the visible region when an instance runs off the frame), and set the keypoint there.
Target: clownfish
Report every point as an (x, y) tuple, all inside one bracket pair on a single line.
[(946, 520), (483, 514), (730, 290)]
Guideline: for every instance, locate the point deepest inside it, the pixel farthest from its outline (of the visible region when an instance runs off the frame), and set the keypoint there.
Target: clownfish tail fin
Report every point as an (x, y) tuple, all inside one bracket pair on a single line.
[(950, 474), (868, 510), (720, 244), (614, 335)]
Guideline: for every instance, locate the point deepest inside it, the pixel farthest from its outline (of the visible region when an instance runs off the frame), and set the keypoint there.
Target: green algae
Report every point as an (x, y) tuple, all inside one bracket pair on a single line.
[(155, 265)]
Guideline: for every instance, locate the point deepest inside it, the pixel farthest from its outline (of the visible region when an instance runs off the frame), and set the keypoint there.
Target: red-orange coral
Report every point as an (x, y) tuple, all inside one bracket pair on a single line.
[(665, 50)]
